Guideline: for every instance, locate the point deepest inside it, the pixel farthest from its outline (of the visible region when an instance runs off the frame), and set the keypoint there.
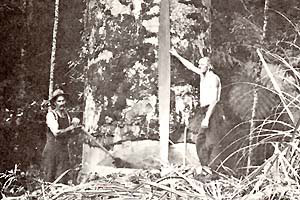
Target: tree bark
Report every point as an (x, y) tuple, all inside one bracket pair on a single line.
[(91, 156)]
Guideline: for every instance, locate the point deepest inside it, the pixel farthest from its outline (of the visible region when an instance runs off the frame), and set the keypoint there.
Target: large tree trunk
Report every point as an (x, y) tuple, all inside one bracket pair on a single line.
[(91, 156), (27, 12), (164, 79)]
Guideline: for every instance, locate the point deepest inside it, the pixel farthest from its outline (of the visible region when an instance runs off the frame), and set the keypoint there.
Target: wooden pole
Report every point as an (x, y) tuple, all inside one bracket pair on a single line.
[(185, 146), (266, 20), (53, 51), (164, 80)]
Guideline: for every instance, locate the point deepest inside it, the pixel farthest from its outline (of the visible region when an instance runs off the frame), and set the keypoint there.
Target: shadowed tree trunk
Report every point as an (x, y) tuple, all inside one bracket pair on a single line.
[(27, 13), (255, 93)]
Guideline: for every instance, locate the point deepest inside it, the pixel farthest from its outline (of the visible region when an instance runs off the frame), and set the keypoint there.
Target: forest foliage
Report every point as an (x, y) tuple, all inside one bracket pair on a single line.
[(26, 26)]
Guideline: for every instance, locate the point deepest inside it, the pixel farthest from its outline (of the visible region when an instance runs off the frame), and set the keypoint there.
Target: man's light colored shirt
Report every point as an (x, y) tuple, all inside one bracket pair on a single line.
[(52, 123)]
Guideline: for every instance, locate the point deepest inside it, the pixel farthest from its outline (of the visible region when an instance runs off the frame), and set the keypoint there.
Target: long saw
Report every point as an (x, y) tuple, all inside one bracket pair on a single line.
[(118, 162)]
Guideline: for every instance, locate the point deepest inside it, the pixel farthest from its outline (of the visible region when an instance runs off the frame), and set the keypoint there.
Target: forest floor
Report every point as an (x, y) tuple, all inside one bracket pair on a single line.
[(121, 183), (172, 182)]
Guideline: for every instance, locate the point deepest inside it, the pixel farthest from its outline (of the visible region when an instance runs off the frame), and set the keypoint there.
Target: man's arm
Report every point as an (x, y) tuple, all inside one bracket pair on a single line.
[(208, 114), (212, 105), (185, 62), (53, 125)]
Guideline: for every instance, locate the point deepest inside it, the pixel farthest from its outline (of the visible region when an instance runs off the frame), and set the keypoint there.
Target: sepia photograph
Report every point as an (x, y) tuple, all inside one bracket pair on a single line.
[(150, 99)]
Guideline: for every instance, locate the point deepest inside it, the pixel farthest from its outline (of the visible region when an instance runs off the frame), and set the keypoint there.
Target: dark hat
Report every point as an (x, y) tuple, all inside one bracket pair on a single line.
[(57, 93)]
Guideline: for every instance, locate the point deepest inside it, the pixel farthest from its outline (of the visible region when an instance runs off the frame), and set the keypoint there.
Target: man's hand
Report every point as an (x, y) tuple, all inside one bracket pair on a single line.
[(174, 52), (75, 122), (205, 123)]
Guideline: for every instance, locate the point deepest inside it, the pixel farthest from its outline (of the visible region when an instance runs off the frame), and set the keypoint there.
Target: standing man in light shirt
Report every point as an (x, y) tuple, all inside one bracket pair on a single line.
[(206, 123), (60, 129)]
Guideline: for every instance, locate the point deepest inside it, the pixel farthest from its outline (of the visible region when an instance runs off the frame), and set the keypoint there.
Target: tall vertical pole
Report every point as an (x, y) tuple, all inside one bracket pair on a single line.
[(266, 20), (164, 80), (53, 51)]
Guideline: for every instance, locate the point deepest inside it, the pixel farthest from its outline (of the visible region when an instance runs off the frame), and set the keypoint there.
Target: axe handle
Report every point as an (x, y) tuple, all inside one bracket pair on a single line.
[(97, 143)]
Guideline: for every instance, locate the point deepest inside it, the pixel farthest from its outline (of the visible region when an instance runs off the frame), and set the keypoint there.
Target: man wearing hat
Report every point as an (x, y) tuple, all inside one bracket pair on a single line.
[(207, 121), (60, 129)]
